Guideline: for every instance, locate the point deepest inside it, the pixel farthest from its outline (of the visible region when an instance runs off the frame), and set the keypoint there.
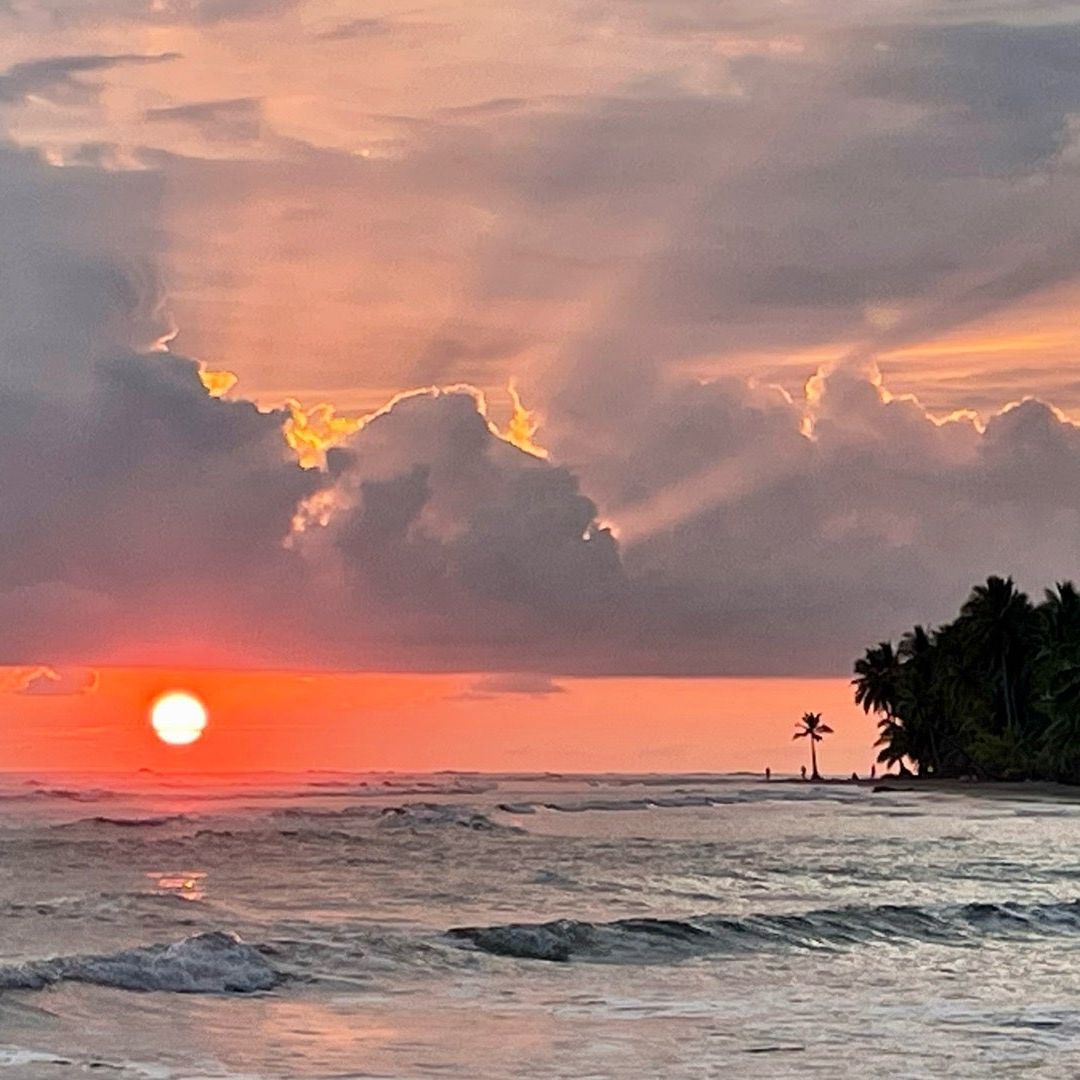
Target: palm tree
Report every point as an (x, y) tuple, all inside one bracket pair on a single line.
[(999, 619), (916, 697), (812, 728), (875, 680)]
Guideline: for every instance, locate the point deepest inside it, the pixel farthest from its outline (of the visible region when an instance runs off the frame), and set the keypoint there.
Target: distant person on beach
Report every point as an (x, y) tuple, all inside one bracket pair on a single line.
[(802, 770), (873, 772), (855, 776), (768, 774)]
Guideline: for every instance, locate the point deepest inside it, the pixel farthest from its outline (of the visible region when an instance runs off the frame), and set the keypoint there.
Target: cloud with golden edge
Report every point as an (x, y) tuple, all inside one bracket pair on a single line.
[(311, 432), (522, 426), (217, 383)]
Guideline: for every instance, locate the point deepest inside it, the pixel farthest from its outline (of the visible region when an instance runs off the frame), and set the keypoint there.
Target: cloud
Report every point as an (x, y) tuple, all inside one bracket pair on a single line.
[(453, 542), (530, 684), (356, 28), (67, 13), (54, 77), (678, 526), (48, 682), (140, 513), (231, 120), (634, 250)]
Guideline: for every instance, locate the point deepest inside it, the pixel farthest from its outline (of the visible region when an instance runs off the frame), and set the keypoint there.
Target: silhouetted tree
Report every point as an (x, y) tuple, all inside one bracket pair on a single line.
[(997, 617), (995, 693), (810, 727)]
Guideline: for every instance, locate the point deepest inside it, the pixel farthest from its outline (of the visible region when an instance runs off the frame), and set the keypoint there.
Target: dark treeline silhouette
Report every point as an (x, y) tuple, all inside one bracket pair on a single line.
[(995, 694)]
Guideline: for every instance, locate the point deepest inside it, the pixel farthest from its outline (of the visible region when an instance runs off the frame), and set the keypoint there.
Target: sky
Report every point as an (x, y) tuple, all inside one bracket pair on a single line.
[(657, 350)]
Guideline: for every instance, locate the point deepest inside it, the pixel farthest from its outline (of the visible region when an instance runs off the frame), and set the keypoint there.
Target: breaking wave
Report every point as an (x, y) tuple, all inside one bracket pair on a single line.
[(440, 815), (426, 815), (661, 940), (210, 963), (682, 799), (153, 822)]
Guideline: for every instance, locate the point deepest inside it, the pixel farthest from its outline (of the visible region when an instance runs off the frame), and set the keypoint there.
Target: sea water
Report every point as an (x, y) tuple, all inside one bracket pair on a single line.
[(452, 925)]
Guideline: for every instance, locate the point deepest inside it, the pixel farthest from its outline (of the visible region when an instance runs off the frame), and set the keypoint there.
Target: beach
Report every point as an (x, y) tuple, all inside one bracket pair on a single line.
[(356, 925)]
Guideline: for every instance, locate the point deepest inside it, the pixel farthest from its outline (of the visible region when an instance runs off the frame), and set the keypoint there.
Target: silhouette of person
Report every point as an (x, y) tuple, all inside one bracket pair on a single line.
[(873, 772), (768, 773), (802, 770)]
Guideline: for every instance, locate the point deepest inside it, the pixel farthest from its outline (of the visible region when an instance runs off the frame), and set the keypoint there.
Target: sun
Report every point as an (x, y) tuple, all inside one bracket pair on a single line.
[(178, 718)]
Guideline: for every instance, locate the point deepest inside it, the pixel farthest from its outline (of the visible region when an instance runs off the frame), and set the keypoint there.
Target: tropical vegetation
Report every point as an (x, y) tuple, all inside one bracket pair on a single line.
[(811, 727), (993, 695)]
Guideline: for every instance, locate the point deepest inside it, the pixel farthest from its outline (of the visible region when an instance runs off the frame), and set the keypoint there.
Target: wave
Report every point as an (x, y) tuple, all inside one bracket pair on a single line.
[(68, 794), (663, 940), (211, 963), (679, 799), (411, 815), (154, 822), (100, 907), (440, 815), (327, 788)]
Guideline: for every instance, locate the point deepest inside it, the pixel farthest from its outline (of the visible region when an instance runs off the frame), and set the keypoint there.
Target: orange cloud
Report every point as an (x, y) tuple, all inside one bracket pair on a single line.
[(522, 426), (312, 431), (217, 383)]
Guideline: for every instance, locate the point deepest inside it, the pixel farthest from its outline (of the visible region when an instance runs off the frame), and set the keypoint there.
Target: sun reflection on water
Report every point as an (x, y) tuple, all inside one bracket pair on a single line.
[(187, 884)]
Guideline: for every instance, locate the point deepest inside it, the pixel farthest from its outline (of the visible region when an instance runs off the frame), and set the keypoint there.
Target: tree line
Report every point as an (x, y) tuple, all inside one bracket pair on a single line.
[(993, 695)]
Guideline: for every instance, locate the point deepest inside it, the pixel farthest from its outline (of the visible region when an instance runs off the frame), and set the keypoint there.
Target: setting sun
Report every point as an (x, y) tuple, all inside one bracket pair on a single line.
[(178, 718)]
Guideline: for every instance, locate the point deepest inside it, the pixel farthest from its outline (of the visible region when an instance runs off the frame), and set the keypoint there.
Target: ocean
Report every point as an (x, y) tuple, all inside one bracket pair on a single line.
[(332, 925)]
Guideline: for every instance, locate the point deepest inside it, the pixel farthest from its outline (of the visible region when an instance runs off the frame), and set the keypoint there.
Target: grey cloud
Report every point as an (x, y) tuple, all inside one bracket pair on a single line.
[(774, 200), (806, 549), (357, 28), (54, 77), (454, 542), (467, 353), (527, 683), (886, 182), (66, 13), (145, 520), (231, 120), (932, 189), (141, 515)]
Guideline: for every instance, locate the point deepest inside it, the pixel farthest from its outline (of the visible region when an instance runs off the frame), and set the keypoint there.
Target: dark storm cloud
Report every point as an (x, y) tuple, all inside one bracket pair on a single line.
[(138, 510), (449, 538)]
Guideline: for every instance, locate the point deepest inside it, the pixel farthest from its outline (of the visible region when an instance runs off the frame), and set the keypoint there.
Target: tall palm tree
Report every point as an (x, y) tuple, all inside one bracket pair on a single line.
[(875, 680), (916, 697), (811, 727), (999, 618)]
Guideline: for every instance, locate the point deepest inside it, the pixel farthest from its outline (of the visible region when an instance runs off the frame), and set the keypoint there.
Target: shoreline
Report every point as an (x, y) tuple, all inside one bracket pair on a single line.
[(1038, 789)]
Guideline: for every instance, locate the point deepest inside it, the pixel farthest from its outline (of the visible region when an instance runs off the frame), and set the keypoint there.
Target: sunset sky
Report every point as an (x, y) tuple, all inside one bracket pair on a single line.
[(501, 385)]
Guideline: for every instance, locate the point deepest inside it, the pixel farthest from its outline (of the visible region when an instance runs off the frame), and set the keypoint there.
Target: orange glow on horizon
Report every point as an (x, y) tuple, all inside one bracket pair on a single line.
[(293, 721)]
